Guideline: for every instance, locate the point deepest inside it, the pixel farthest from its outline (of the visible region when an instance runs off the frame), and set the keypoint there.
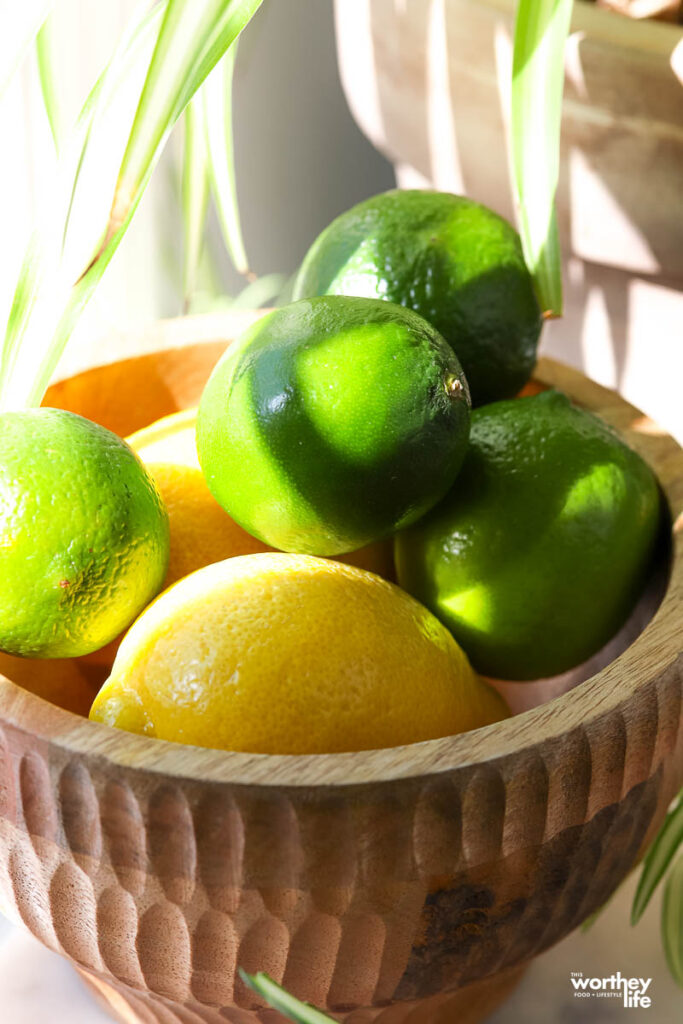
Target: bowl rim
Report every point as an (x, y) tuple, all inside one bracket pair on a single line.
[(650, 654)]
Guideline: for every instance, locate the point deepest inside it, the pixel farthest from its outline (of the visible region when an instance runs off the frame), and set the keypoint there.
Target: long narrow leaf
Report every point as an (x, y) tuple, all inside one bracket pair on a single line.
[(192, 37), (278, 997), (195, 193), (541, 30), (48, 81), (20, 23), (217, 98), (666, 845), (72, 216), (672, 921)]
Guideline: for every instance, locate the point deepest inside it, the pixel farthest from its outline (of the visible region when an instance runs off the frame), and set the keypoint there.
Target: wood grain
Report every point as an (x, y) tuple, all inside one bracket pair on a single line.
[(393, 886)]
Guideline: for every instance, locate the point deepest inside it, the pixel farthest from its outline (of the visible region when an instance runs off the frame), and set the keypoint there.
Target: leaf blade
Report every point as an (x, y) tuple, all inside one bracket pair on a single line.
[(20, 25), (658, 858), (194, 194), (278, 997), (216, 24), (672, 921), (47, 275), (217, 101), (541, 29), (45, 53), (193, 38)]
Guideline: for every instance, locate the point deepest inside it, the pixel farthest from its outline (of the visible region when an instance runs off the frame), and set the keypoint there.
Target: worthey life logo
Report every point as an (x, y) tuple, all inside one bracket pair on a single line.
[(633, 991)]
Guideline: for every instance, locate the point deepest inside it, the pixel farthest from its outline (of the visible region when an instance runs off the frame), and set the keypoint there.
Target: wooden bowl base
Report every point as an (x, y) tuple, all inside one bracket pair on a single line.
[(468, 1005)]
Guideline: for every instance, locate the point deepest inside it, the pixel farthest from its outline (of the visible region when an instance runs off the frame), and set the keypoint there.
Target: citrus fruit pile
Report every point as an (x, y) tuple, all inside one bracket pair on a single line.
[(338, 428)]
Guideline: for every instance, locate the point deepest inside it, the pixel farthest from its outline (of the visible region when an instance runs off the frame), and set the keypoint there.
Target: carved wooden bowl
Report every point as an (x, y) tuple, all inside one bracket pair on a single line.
[(404, 885)]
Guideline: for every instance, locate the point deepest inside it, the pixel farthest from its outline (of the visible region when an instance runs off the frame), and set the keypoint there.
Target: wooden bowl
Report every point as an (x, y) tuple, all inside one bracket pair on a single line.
[(403, 885)]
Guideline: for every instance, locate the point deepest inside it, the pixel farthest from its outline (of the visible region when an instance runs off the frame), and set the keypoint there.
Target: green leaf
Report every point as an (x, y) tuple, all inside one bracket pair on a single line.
[(672, 921), (20, 25), (278, 997), (262, 291), (192, 37), (72, 216), (48, 82), (541, 30), (590, 921), (658, 858), (217, 99), (195, 193)]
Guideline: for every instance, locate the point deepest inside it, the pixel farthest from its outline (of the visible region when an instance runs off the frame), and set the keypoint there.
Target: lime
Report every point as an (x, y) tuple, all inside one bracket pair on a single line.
[(450, 259), (200, 531), (332, 422), (288, 654), (83, 532), (538, 556)]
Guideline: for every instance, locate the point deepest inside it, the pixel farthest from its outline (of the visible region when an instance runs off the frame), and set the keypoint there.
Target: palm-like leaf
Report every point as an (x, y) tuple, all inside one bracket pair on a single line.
[(666, 845), (48, 82), (71, 218), (194, 36), (217, 99), (541, 30), (195, 194), (20, 24), (61, 271), (277, 997), (672, 921)]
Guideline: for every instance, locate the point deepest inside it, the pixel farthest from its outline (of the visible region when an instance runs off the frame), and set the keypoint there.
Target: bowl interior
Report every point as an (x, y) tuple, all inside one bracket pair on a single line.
[(129, 394)]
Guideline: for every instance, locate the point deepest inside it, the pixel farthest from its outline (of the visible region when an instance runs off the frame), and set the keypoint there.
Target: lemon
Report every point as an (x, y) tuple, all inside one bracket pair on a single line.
[(291, 654), (200, 531), (83, 534)]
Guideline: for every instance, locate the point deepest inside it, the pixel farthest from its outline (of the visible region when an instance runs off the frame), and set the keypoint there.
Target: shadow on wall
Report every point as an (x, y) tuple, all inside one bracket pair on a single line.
[(434, 69), (300, 157)]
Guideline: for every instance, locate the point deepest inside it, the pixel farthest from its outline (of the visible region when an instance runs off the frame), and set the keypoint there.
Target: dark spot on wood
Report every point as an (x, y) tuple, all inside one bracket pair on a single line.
[(470, 930)]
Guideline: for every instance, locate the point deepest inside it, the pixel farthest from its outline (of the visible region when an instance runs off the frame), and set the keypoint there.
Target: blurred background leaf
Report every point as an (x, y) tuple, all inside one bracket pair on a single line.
[(672, 921), (195, 195), (72, 217), (658, 858), (191, 38), (49, 83), (217, 100), (20, 24), (541, 29), (277, 997)]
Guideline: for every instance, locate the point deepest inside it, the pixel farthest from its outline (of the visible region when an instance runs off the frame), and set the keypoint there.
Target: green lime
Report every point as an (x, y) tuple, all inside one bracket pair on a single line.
[(332, 422), (450, 259), (83, 532), (537, 557)]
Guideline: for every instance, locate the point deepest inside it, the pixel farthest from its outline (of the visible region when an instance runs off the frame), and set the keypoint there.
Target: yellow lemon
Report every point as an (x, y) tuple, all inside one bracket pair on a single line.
[(201, 532), (291, 654)]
